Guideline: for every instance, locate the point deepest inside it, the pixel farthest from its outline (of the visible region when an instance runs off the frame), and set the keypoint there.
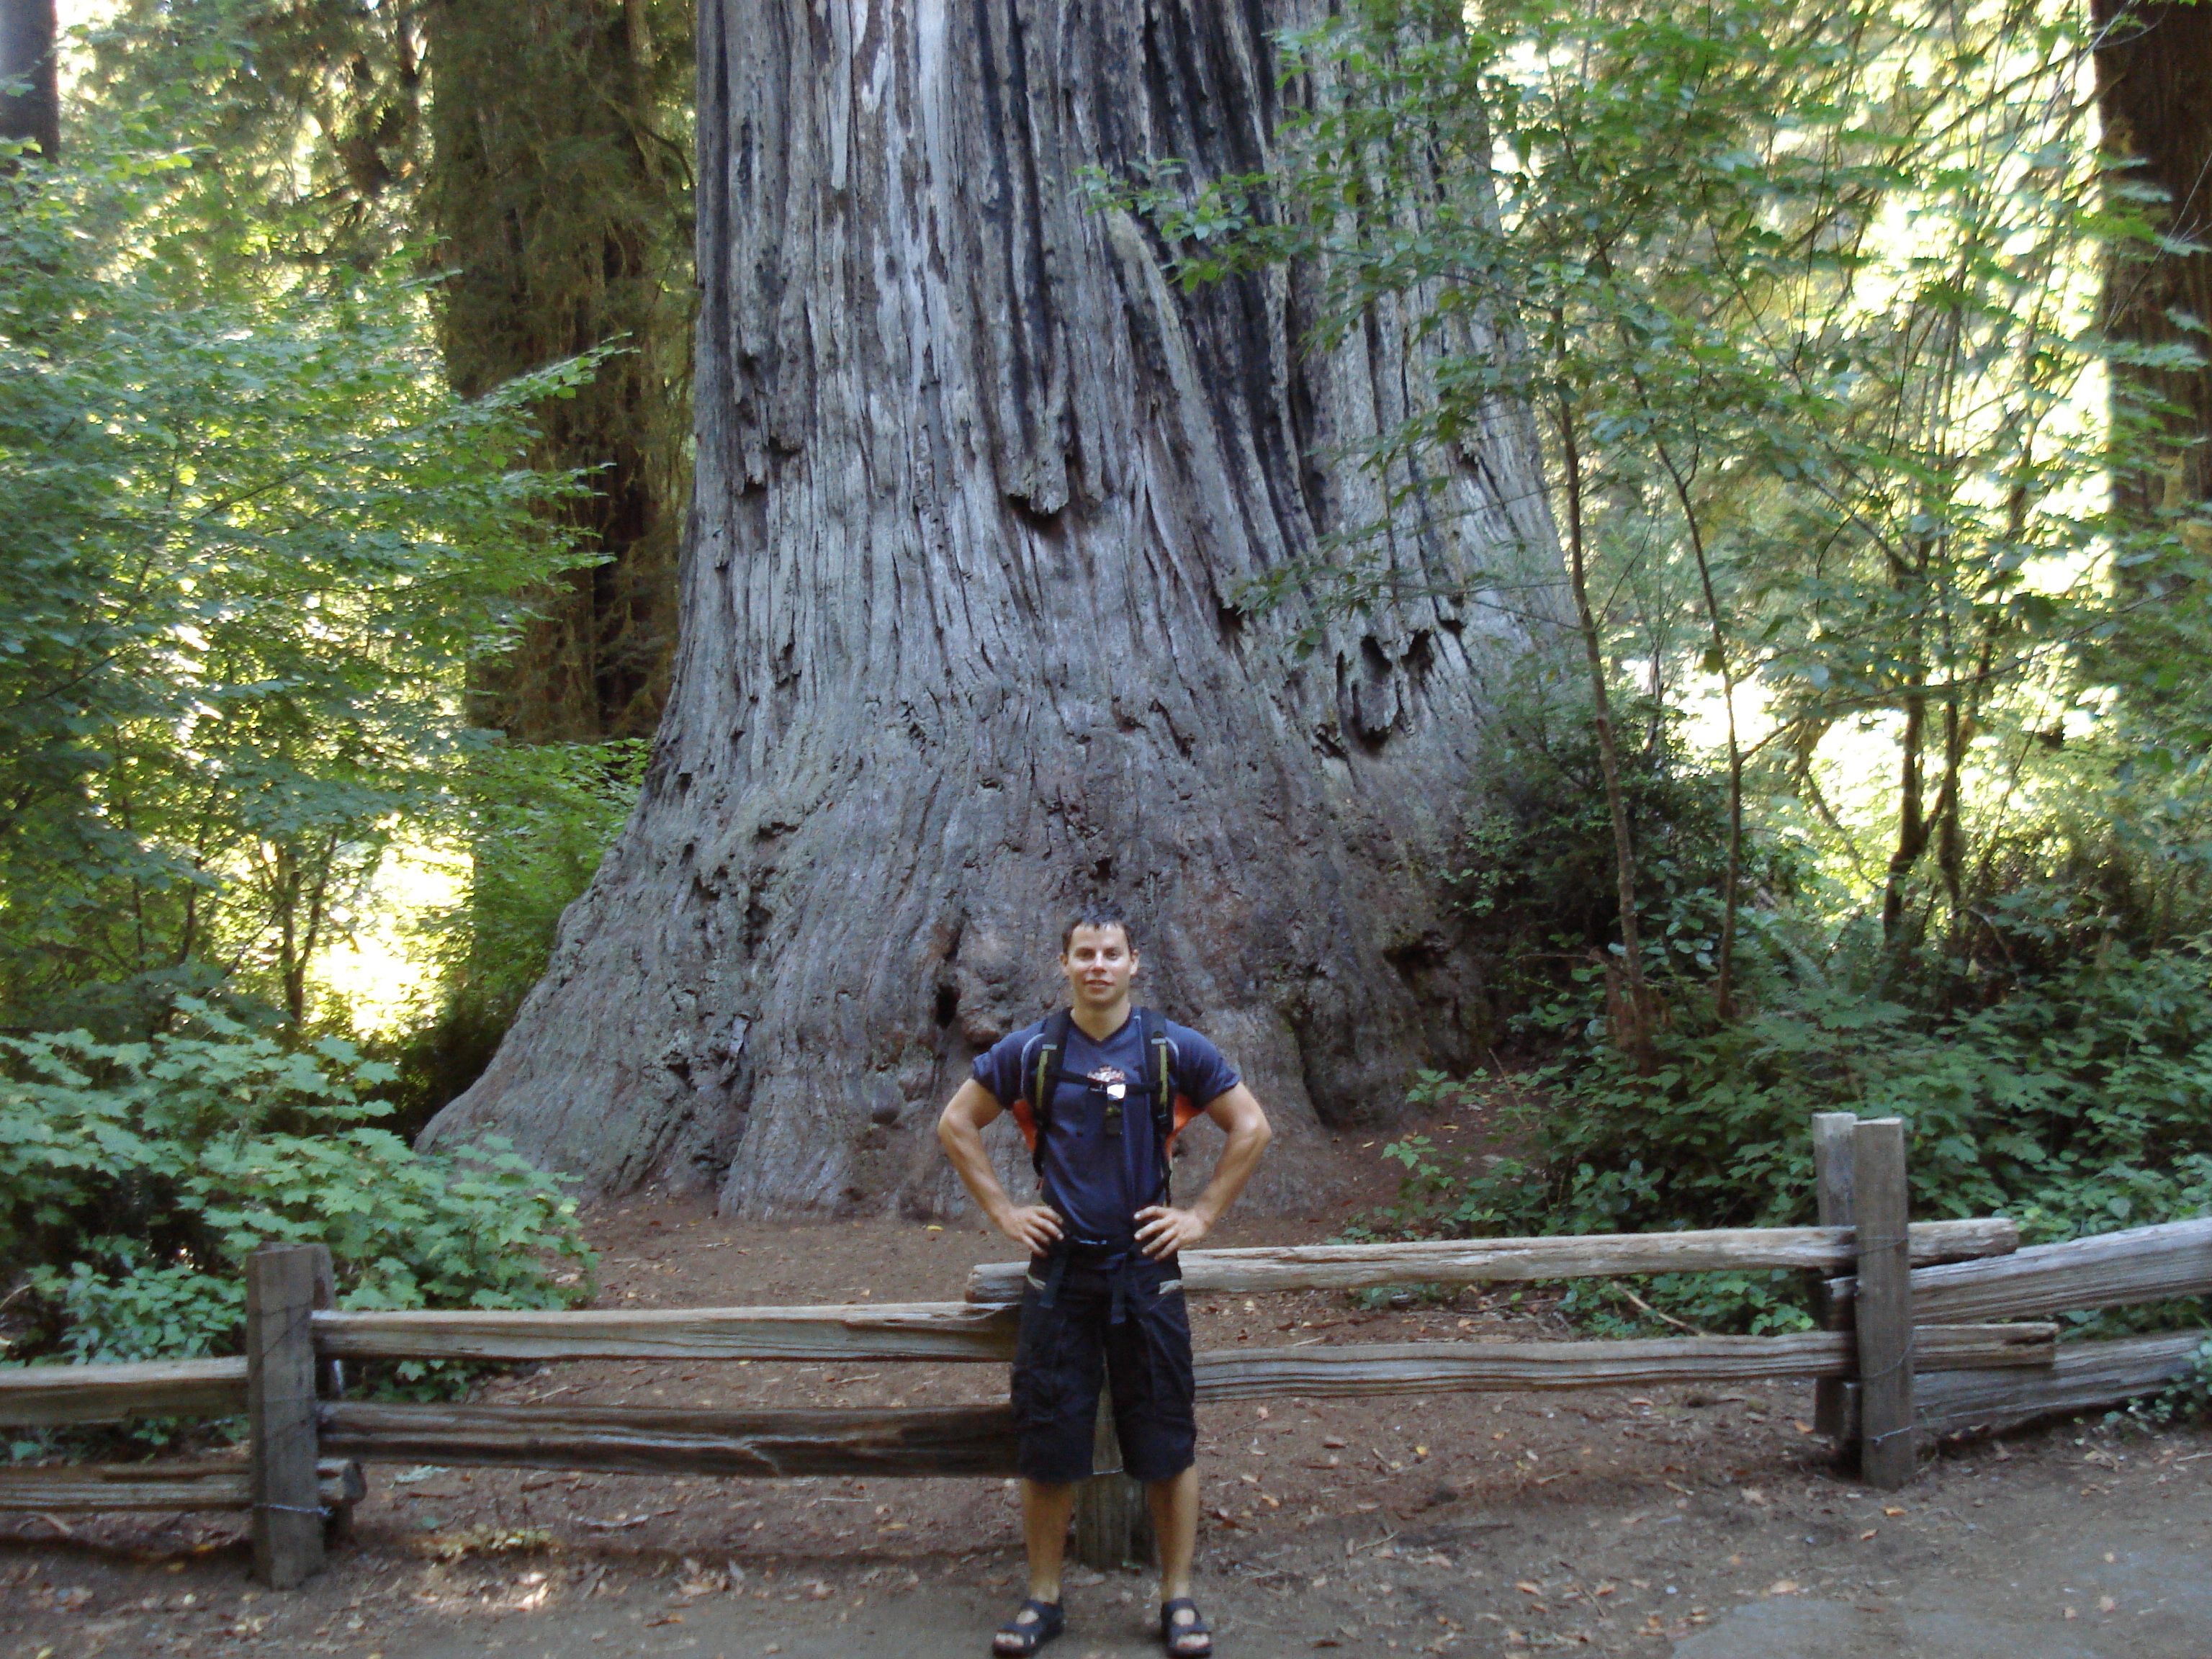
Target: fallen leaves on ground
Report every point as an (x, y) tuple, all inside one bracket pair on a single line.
[(487, 1538)]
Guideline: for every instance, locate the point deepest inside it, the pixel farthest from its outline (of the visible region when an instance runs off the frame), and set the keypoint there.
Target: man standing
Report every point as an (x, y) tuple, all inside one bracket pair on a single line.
[(1100, 1091)]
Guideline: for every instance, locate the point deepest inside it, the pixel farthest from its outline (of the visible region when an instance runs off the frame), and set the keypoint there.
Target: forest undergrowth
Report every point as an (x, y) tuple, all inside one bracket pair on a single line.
[(258, 550), (2061, 1077)]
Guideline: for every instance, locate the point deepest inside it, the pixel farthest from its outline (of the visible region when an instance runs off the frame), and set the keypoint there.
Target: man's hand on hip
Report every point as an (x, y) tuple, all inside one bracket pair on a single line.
[(1034, 1226), (1161, 1231)]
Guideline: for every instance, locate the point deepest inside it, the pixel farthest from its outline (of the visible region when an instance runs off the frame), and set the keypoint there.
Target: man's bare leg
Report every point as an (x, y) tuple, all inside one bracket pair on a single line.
[(1045, 1512), (1174, 1504), (1175, 1528)]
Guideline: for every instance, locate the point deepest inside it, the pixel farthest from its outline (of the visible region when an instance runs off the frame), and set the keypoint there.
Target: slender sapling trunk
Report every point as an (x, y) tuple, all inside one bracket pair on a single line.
[(1724, 983), (1636, 1003)]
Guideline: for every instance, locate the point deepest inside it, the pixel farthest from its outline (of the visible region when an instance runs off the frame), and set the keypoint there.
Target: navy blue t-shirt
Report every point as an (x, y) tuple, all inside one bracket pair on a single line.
[(1098, 1187)]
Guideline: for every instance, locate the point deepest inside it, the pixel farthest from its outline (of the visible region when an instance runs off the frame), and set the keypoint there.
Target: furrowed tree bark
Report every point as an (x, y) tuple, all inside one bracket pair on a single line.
[(976, 491)]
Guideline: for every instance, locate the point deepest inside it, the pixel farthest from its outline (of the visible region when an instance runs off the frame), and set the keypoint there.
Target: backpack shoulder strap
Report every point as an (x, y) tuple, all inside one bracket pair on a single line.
[(1159, 1068), (1170, 1111), (1040, 1082)]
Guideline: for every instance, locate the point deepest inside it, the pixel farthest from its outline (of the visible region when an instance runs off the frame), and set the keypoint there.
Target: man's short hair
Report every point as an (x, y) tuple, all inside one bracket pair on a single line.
[(1098, 912)]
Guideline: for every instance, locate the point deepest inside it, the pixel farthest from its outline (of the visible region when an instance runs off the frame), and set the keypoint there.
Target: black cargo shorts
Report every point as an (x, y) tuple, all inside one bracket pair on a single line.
[(1088, 1311)]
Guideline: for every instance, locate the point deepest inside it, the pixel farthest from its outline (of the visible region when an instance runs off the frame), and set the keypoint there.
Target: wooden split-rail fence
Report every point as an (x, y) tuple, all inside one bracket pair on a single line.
[(1932, 1327)]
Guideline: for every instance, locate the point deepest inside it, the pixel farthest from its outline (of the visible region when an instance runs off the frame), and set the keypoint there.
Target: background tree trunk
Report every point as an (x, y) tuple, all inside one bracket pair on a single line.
[(976, 488), (2155, 92), (560, 204), (31, 109)]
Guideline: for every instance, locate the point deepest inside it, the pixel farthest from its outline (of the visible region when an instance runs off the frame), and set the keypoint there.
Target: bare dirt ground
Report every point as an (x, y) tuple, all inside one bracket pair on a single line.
[(1676, 1523)]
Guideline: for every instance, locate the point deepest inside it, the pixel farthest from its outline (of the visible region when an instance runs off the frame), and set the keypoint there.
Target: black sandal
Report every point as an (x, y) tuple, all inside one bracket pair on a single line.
[(1175, 1633), (1016, 1639)]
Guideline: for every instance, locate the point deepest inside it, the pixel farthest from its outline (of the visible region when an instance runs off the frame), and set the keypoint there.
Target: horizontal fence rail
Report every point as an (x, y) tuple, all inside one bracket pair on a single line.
[(979, 1440), (2111, 1270), (46, 1396), (210, 1484), (2085, 1375), (1358, 1368), (959, 1440), (1512, 1260), (913, 1330), (987, 1333)]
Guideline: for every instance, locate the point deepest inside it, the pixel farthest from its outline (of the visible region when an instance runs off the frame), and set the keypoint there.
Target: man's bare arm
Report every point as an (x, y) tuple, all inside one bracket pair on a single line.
[(960, 1132), (1161, 1231)]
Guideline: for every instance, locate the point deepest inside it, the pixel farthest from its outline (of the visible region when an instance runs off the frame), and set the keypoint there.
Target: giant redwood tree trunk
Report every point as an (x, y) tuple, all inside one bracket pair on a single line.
[(561, 209), (2155, 92), (977, 488), (30, 105)]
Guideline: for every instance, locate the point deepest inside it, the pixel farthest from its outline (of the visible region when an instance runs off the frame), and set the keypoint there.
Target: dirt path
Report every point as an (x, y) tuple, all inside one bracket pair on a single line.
[(1671, 1523)]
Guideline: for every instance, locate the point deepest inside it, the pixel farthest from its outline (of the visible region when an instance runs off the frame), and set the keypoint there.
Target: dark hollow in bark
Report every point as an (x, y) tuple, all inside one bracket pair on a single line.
[(977, 488)]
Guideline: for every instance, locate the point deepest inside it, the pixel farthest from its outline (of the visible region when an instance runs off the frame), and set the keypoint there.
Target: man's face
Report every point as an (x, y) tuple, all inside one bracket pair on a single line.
[(1099, 965)]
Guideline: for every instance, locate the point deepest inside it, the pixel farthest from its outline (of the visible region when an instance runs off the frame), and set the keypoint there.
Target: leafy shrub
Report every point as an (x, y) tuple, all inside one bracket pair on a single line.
[(134, 1179), (2188, 1398), (132, 1308), (2080, 1103), (1537, 885)]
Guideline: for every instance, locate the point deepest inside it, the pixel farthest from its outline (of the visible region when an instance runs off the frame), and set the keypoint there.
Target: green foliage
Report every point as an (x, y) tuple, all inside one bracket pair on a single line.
[(537, 819), (2079, 1102), (260, 555), (308, 112), (134, 1179), (128, 1309), (255, 545), (1535, 872), (2188, 1398)]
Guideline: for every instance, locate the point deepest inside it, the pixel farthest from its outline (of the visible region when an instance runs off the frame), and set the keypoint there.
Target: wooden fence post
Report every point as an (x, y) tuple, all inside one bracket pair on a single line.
[(1835, 1398), (330, 1384), (1111, 1523), (1884, 1304), (282, 1281)]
